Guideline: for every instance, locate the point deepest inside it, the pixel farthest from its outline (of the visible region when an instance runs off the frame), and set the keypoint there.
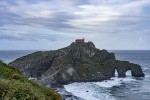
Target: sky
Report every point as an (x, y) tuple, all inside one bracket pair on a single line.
[(53, 24)]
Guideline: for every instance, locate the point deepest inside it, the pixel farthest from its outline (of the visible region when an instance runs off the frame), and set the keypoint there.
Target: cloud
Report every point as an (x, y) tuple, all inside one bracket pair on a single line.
[(55, 20), (29, 10), (103, 13)]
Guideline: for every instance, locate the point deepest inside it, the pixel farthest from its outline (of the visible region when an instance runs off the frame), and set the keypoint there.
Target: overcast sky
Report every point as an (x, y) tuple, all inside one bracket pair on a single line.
[(53, 24)]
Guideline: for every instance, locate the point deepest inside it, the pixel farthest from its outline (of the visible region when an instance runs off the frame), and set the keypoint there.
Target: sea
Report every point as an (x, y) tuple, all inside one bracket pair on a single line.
[(129, 88)]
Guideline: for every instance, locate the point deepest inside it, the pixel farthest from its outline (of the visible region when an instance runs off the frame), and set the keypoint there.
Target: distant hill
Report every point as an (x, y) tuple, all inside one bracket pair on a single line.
[(15, 86), (79, 62)]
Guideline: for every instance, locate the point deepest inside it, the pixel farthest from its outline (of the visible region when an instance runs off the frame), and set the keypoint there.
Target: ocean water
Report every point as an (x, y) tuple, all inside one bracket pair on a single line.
[(129, 88)]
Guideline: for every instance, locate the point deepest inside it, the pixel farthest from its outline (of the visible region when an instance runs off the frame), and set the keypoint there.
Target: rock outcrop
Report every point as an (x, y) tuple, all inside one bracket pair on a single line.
[(123, 66), (75, 63)]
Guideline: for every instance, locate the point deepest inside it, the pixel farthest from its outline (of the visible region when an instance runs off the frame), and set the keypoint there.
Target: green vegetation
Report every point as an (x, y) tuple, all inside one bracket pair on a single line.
[(15, 86), (87, 67), (37, 55)]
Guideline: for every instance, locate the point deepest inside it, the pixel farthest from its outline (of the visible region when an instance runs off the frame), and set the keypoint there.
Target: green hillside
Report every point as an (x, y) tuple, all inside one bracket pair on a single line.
[(15, 86)]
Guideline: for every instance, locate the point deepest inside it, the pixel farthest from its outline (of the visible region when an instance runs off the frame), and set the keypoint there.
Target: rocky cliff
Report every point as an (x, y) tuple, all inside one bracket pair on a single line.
[(75, 63)]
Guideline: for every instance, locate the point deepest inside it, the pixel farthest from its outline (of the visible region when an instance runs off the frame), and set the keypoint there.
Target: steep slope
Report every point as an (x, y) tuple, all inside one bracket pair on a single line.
[(77, 62), (15, 86)]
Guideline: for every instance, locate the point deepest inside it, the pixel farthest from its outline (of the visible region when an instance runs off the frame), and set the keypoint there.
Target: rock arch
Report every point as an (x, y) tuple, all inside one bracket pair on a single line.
[(123, 66)]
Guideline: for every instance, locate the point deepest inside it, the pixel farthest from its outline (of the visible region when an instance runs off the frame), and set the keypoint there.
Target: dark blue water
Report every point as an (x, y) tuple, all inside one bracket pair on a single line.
[(140, 88), (128, 88)]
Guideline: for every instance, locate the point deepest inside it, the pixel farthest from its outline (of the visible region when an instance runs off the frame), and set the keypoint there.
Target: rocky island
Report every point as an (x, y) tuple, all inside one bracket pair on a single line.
[(79, 62)]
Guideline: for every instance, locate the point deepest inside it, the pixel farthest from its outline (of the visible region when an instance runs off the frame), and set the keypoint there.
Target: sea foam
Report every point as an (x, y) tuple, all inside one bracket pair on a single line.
[(97, 90), (88, 91)]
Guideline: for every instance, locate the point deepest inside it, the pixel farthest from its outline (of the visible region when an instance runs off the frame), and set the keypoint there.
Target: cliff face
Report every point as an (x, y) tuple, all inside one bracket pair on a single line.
[(77, 62)]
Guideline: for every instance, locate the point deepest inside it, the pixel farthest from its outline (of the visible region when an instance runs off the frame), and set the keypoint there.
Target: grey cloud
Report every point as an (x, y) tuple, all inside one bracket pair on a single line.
[(8, 18), (60, 22), (10, 37), (30, 37)]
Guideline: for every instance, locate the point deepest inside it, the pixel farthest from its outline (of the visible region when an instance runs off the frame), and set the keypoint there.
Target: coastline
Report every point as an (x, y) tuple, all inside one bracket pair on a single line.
[(138, 86)]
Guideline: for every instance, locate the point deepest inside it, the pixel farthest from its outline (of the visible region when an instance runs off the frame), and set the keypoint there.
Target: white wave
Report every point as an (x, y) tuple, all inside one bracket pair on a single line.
[(97, 90), (114, 82), (147, 76), (128, 74), (109, 83), (87, 91)]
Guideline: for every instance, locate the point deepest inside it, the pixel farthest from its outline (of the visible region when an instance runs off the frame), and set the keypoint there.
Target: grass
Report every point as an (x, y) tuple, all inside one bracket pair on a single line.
[(88, 67), (15, 86)]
